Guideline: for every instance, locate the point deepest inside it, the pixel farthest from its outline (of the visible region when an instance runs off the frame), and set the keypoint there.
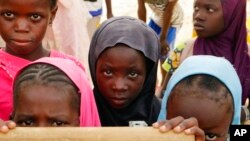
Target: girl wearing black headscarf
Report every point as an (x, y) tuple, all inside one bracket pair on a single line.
[(123, 63)]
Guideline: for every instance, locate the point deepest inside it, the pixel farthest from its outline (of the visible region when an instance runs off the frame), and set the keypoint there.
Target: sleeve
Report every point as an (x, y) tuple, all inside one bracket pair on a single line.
[(173, 60)]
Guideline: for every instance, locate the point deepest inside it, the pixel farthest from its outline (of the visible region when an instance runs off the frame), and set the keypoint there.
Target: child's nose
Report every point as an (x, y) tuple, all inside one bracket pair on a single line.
[(120, 84), (22, 25), (199, 15)]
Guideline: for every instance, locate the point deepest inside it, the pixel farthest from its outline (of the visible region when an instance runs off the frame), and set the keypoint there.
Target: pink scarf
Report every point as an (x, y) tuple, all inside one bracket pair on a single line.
[(9, 65), (88, 111)]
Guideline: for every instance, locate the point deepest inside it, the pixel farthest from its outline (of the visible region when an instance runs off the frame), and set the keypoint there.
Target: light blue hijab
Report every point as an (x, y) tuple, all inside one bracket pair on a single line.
[(209, 65)]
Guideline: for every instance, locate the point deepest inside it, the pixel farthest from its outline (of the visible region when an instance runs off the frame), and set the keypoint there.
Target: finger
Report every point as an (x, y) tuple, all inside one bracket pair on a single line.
[(172, 123), (199, 133), (185, 124), (4, 129), (11, 124), (158, 123)]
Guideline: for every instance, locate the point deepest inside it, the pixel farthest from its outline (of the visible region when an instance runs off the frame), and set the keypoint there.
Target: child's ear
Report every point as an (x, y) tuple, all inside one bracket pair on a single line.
[(53, 14)]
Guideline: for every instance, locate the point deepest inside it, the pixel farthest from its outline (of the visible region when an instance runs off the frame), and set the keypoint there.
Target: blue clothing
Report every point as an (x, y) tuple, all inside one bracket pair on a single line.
[(98, 12), (218, 67), (170, 38)]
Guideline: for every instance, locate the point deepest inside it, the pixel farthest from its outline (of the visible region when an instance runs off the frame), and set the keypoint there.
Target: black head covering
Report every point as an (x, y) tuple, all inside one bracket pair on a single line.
[(137, 35)]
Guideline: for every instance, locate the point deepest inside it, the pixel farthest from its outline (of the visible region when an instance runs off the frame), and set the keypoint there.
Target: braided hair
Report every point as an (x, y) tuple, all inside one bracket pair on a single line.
[(45, 75), (196, 85)]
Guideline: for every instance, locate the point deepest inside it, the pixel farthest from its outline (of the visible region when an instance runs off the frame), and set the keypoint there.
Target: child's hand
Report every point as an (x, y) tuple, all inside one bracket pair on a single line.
[(164, 48), (5, 126), (179, 124)]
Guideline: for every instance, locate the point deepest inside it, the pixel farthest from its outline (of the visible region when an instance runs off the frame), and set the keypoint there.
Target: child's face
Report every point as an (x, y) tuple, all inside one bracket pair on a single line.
[(213, 117), (208, 18), (23, 24), (44, 106), (120, 74)]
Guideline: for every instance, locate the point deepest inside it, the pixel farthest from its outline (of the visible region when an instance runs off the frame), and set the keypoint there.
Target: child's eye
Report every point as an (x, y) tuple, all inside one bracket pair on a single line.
[(57, 123), (25, 123), (210, 137), (35, 17), (196, 8), (107, 73), (210, 10), (133, 74), (8, 15)]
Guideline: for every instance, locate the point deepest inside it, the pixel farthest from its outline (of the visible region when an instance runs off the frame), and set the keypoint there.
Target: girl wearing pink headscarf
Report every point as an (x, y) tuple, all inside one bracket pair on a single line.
[(53, 92)]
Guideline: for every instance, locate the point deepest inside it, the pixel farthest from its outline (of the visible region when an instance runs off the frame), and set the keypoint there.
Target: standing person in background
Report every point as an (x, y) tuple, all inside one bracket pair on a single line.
[(166, 19), (68, 33), (96, 10)]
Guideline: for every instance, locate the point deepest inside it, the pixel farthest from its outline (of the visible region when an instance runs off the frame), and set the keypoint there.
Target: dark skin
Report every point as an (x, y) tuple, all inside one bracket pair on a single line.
[(208, 22), (215, 126), (204, 121), (120, 75), (23, 26), (43, 106), (142, 14), (208, 18), (109, 9), (166, 24)]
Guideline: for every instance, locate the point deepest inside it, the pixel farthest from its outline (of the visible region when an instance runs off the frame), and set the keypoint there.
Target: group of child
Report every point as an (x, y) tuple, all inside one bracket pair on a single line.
[(46, 88)]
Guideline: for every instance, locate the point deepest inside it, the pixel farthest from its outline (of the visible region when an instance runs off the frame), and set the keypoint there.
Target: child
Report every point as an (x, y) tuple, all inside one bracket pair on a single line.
[(68, 33), (166, 19), (95, 10), (53, 92), (206, 88), (221, 30), (23, 25), (123, 64)]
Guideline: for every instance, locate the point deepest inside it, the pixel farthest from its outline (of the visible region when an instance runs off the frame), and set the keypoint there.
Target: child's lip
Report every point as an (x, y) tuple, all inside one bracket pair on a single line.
[(198, 26), (119, 99), (21, 42)]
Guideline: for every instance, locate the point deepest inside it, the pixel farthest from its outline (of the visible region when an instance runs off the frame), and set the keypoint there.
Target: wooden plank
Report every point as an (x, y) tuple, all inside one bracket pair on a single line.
[(92, 134), (247, 122)]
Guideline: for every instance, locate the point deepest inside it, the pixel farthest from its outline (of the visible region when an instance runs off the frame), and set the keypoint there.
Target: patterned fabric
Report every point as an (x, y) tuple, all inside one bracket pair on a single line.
[(173, 61), (158, 7)]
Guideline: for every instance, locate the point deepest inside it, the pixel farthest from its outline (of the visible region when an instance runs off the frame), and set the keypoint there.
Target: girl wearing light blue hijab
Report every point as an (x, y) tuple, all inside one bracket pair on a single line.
[(208, 89)]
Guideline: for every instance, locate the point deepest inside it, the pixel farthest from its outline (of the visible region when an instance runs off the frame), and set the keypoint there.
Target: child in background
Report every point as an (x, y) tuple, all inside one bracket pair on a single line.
[(68, 33), (52, 92), (23, 25), (221, 31), (166, 19), (95, 8), (206, 88), (123, 60)]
